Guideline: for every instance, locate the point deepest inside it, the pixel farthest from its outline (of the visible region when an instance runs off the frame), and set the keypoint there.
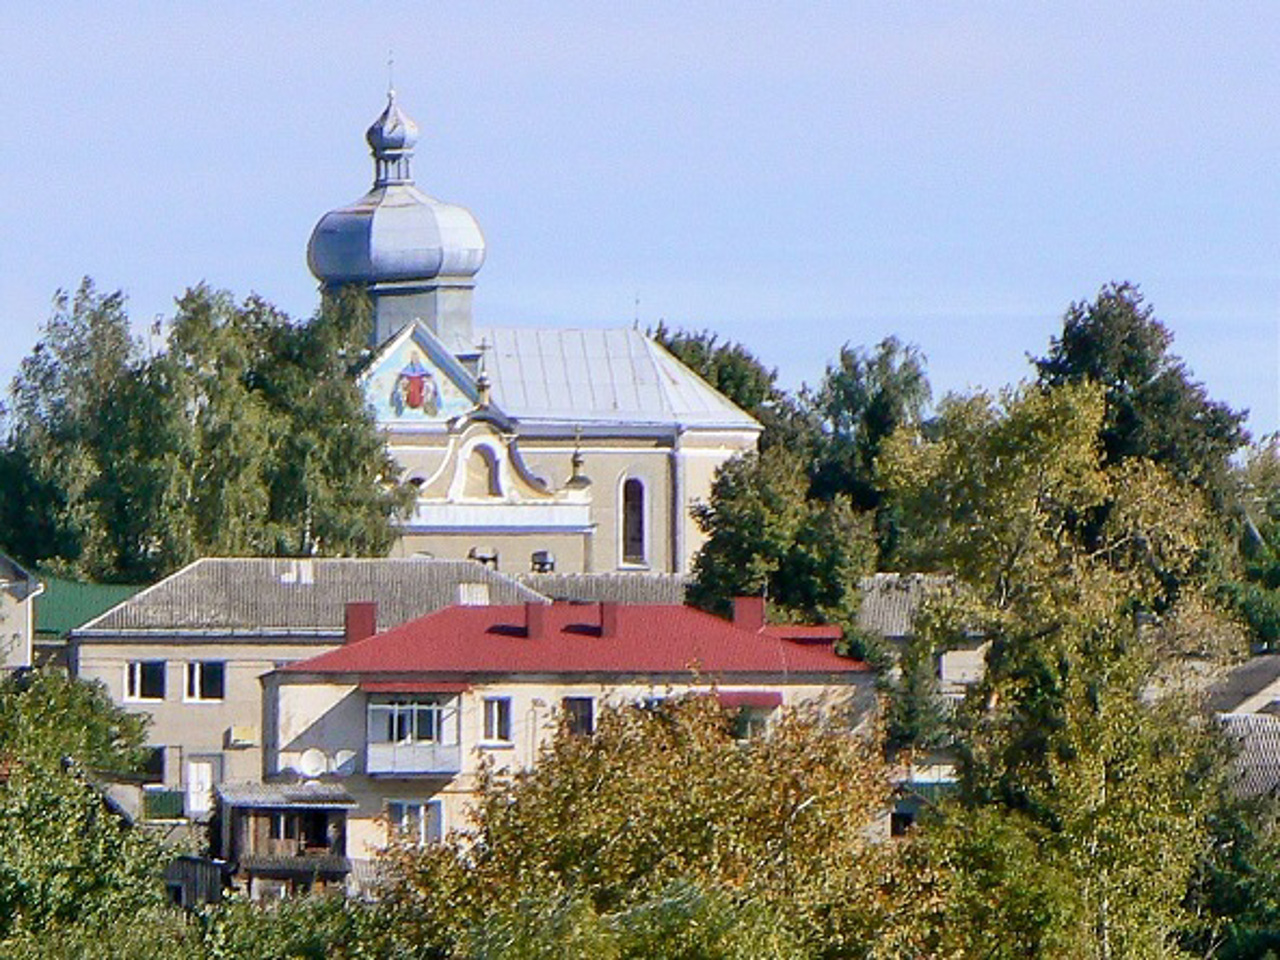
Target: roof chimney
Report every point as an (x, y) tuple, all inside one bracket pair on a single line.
[(608, 619), (535, 619), (361, 620), (748, 613)]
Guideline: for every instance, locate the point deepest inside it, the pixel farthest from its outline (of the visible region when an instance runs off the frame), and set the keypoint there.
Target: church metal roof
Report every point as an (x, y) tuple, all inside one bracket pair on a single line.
[(605, 377)]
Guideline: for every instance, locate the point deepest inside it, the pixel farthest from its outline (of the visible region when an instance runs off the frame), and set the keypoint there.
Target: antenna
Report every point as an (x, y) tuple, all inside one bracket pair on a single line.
[(391, 73)]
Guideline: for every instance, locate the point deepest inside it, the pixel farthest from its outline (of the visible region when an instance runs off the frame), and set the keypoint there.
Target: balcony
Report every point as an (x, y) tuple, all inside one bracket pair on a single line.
[(413, 759), (162, 804)]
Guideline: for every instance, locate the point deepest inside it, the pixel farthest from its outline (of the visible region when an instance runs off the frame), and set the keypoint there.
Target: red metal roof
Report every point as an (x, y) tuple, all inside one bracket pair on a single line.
[(646, 639)]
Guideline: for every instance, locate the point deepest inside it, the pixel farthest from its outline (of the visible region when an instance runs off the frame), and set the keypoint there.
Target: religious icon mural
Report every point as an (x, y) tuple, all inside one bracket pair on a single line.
[(416, 389)]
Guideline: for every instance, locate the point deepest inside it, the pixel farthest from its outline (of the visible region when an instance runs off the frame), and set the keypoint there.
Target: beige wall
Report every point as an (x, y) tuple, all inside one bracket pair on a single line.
[(332, 717), (16, 629), (196, 729), (676, 472)]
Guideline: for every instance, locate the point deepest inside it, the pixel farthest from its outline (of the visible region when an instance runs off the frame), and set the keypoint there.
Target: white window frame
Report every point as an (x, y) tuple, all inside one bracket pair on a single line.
[(133, 681), (405, 818), (445, 722), (496, 710), (624, 561), (193, 674)]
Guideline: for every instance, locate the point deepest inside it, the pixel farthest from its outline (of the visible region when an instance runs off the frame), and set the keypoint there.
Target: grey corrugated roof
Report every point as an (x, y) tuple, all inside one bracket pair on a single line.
[(1257, 765), (310, 794), (890, 601), (616, 376), (254, 595), (1245, 681), (666, 588)]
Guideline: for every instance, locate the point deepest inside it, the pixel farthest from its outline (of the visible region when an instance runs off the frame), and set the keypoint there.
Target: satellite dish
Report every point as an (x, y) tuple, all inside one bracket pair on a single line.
[(312, 763), (344, 763)]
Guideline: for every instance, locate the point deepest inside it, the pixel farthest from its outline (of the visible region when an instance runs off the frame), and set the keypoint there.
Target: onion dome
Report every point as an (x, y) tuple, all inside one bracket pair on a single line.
[(395, 232)]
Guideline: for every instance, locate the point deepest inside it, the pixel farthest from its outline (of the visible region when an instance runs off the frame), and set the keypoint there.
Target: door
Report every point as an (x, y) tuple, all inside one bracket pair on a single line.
[(199, 787)]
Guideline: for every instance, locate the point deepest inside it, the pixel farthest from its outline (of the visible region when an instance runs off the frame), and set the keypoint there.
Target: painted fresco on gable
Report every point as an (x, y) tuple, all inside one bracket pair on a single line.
[(408, 386)]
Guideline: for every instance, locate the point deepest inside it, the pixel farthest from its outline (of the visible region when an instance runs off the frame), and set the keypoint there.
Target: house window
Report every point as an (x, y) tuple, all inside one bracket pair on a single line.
[(580, 715), (633, 521), (206, 680), (144, 680), (751, 722), (497, 718), (416, 821), (153, 765), (414, 721)]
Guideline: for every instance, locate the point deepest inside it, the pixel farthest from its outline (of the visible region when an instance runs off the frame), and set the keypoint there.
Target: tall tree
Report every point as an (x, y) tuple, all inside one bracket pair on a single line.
[(247, 436), (863, 398), (1155, 410), (1074, 744)]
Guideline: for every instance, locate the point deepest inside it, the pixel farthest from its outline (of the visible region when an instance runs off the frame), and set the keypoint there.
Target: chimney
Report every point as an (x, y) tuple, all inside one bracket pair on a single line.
[(361, 620), (608, 619), (535, 620), (748, 613)]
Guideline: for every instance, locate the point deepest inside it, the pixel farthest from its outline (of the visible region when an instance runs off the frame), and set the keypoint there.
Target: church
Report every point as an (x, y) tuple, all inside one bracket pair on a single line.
[(574, 451)]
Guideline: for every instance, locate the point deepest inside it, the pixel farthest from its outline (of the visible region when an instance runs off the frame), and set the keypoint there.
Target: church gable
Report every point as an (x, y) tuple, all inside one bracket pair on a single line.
[(414, 380)]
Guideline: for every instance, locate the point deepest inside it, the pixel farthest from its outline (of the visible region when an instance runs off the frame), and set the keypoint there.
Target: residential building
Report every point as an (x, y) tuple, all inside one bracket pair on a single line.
[(402, 720), (532, 449), (18, 591), (189, 650)]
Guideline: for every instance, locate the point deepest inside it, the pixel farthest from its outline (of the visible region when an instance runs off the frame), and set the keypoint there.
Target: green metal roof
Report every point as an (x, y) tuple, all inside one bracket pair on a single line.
[(66, 604)]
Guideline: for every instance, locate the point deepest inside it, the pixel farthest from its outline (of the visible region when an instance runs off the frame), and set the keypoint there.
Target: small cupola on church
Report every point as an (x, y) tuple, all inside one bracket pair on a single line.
[(416, 255)]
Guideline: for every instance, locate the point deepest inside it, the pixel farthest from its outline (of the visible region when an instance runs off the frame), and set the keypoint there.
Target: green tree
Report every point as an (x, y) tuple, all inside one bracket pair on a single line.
[(765, 536), (1154, 410), (247, 436), (66, 857), (1254, 589), (864, 397), (1076, 742)]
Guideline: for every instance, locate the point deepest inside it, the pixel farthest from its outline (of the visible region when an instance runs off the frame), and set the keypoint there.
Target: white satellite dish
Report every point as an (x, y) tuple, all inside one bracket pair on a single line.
[(343, 763), (312, 763)]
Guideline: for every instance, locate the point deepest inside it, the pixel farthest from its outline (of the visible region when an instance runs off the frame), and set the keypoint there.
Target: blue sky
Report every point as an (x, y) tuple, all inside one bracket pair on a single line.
[(793, 176)]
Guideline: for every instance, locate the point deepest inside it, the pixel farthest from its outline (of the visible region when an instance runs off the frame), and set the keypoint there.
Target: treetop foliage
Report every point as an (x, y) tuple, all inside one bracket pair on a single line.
[(247, 435)]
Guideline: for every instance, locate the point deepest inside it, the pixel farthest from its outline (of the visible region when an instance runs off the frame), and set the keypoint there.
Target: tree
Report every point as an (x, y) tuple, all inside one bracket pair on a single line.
[(765, 536), (658, 820), (1076, 742), (247, 436), (65, 856), (1254, 590), (1154, 410), (863, 399)]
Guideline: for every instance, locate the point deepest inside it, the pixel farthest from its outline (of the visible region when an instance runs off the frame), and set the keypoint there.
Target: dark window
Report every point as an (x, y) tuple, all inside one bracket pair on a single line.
[(206, 680), (145, 680), (580, 715), (153, 766), (900, 822), (633, 522)]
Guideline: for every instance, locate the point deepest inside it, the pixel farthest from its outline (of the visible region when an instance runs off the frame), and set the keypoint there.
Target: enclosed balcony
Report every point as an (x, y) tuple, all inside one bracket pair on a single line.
[(415, 736)]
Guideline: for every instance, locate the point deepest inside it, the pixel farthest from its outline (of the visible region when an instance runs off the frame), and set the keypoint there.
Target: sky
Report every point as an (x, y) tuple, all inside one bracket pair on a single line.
[(794, 177)]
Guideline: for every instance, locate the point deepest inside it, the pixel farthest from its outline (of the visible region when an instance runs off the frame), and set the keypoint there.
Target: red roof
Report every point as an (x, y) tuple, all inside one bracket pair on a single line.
[(644, 639)]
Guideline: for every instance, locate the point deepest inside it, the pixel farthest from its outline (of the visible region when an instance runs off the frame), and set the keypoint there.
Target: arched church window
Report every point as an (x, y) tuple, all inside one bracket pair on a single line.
[(633, 521), (482, 474)]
